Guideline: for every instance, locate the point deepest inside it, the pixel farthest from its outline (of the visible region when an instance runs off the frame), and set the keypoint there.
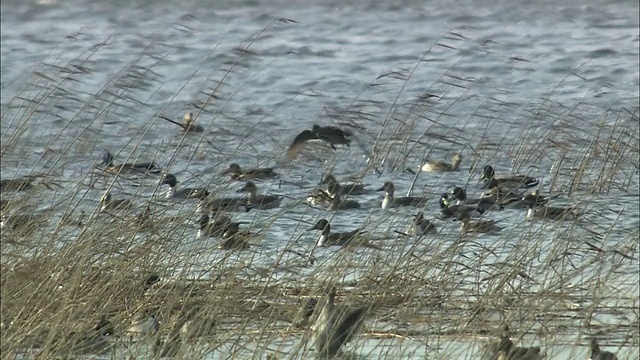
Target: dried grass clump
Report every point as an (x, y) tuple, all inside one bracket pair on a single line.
[(557, 283)]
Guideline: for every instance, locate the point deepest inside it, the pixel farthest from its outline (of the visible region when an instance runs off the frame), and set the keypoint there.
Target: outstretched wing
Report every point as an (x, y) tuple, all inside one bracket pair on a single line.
[(299, 142)]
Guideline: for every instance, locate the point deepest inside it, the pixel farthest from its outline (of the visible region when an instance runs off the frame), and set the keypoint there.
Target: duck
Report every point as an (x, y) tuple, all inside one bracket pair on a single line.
[(259, 201), (480, 226), (345, 189), (508, 350), (186, 193), (597, 354), (94, 341), (141, 221), (332, 135), (144, 324), (19, 184), (337, 203), (441, 166), (421, 226), (484, 202), (335, 326), (234, 239), (547, 212), (338, 239), (320, 197), (447, 210), (305, 312), (197, 324), (391, 202), (107, 203), (215, 228), (218, 205), (189, 126), (23, 224), (508, 181), (237, 173), (131, 168)]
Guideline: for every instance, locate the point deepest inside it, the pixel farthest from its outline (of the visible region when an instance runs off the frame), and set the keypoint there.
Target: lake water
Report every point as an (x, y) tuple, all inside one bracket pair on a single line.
[(549, 88)]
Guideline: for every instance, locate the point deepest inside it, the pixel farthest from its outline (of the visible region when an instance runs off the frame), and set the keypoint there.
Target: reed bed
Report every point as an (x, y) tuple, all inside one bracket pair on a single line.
[(442, 296)]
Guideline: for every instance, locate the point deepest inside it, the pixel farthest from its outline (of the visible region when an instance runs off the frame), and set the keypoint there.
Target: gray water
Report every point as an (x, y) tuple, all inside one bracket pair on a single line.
[(523, 86)]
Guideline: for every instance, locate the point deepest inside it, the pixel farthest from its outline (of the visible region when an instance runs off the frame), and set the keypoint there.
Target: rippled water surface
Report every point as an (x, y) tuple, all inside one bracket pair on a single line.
[(546, 88)]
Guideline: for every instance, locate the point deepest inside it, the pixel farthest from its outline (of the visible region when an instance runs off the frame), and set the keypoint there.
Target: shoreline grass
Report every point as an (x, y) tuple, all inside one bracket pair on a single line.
[(556, 284)]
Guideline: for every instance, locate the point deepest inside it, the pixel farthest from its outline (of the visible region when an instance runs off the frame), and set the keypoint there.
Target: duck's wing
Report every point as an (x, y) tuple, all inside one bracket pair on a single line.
[(354, 189), (299, 143), (517, 181)]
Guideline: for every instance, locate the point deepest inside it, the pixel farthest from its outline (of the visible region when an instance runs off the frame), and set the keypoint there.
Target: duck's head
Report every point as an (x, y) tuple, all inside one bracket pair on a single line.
[(233, 169), (107, 158), (151, 280), (459, 193), (169, 179), (204, 221), (106, 198), (531, 199), (388, 187), (488, 173), (320, 225), (330, 292), (457, 158), (232, 229), (250, 186), (444, 201), (188, 118)]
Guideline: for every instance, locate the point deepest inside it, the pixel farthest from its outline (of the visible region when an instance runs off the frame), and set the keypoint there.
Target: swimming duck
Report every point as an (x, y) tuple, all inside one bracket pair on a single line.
[(391, 202), (337, 203), (505, 197), (480, 226), (19, 184), (234, 239), (136, 168), (335, 326), (421, 226), (484, 202), (215, 228), (507, 181), (107, 203), (339, 239), (189, 126), (447, 210), (218, 205), (346, 189), (320, 197), (259, 201), (441, 166), (547, 212), (507, 349), (597, 354), (237, 173), (330, 134), (186, 193)]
